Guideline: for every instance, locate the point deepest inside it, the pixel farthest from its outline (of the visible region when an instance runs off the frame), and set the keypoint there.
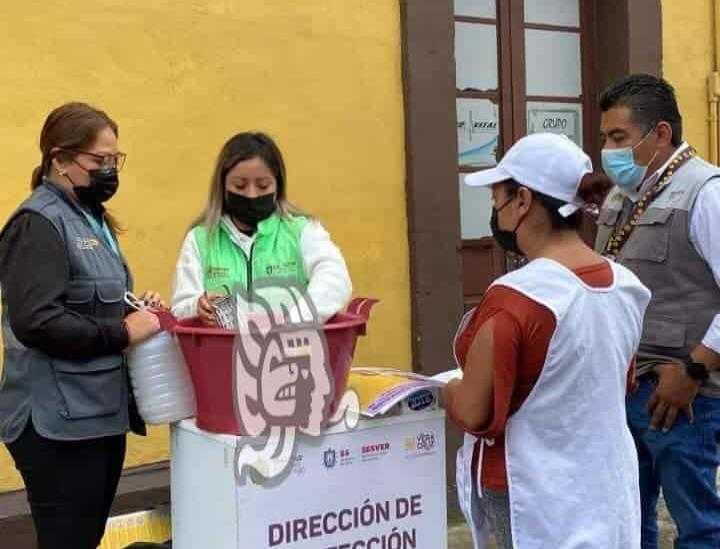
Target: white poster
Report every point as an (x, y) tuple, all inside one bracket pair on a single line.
[(559, 118), (475, 210), (369, 489), (478, 132)]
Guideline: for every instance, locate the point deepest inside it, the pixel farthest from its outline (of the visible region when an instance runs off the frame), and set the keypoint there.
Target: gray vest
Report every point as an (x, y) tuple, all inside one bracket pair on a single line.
[(686, 296), (69, 399)]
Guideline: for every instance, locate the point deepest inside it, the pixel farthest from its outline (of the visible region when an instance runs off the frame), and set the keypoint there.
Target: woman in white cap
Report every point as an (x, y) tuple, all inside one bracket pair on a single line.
[(547, 358)]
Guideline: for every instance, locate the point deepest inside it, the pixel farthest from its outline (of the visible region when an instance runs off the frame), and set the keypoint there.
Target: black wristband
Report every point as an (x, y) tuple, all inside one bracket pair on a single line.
[(697, 371)]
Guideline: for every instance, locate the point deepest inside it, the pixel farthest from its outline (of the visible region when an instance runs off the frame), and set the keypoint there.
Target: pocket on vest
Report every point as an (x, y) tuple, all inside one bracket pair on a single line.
[(608, 217), (92, 388), (661, 331), (110, 295), (80, 296), (650, 240), (100, 298)]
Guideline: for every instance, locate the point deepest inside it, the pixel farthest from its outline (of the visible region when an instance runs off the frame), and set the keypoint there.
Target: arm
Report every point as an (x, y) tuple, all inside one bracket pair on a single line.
[(703, 222), (480, 404), (469, 401), (188, 283), (510, 336), (34, 273), (330, 287)]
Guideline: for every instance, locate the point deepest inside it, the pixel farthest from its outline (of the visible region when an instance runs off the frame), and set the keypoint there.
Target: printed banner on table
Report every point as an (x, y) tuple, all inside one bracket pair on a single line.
[(365, 489)]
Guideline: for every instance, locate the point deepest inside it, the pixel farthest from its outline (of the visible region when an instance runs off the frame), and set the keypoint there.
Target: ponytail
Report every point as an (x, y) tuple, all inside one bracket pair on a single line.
[(594, 187), (39, 172), (36, 178)]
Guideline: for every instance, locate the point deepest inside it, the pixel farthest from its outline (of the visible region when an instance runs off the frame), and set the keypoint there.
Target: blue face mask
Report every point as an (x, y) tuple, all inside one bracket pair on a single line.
[(620, 166)]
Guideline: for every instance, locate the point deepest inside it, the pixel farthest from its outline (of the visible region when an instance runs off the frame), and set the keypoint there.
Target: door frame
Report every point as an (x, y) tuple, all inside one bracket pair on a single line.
[(428, 70), (428, 66)]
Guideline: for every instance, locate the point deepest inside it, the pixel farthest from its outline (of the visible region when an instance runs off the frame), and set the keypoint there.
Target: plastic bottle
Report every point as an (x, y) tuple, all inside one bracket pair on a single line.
[(160, 380)]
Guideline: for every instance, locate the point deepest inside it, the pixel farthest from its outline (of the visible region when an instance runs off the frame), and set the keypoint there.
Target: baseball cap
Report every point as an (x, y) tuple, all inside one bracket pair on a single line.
[(548, 163)]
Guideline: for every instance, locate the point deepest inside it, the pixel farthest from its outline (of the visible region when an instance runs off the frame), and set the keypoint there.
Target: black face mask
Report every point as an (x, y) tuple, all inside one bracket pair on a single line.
[(103, 186), (506, 239), (250, 211)]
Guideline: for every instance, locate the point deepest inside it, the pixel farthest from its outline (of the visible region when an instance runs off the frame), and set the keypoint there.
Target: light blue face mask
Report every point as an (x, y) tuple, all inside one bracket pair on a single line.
[(620, 166)]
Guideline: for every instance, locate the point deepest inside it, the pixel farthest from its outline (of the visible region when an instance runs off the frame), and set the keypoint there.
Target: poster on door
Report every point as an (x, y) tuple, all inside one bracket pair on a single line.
[(368, 489), (558, 118), (478, 132)]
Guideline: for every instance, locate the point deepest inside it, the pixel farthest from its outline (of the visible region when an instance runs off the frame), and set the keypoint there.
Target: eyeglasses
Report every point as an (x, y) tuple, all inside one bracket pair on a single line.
[(105, 161)]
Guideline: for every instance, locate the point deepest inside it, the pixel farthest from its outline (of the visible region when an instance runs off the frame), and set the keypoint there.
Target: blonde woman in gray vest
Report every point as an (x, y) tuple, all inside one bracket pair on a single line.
[(65, 403), (658, 221)]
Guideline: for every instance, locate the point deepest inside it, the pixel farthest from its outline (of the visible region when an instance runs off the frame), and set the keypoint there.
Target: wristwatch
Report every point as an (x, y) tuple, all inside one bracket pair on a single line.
[(696, 370)]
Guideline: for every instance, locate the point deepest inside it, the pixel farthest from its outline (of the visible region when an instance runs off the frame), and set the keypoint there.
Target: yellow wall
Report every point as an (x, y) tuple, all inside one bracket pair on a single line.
[(688, 59), (322, 76)]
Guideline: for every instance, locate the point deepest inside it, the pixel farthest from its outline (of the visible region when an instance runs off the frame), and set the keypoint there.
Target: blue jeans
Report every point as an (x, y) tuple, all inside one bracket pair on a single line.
[(683, 462)]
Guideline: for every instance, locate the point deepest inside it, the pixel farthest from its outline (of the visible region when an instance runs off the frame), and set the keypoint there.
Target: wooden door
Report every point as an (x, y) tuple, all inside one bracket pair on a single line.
[(522, 66)]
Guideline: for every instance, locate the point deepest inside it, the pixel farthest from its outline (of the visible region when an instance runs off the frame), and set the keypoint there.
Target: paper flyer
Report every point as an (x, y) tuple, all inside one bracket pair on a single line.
[(381, 389)]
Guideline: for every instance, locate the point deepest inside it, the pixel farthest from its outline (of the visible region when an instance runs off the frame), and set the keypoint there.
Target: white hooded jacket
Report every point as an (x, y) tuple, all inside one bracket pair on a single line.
[(329, 286)]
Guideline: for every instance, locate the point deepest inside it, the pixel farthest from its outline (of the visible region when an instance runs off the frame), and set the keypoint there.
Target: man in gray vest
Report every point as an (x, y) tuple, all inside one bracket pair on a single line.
[(657, 221)]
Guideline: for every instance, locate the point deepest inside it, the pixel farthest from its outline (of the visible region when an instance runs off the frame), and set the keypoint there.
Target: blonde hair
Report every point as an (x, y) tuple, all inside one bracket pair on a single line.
[(241, 147)]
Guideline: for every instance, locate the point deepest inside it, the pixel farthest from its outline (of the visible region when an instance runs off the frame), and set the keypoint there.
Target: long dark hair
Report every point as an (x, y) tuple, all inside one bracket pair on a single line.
[(241, 147), (71, 127)]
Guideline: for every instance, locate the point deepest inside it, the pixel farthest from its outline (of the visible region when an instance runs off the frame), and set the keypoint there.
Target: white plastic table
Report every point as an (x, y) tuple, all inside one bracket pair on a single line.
[(380, 486)]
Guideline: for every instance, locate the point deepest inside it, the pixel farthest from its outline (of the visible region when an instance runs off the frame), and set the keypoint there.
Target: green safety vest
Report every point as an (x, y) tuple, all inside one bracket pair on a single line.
[(275, 253)]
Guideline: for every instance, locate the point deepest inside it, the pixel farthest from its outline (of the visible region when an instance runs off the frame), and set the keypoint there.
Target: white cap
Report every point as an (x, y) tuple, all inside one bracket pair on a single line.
[(548, 163)]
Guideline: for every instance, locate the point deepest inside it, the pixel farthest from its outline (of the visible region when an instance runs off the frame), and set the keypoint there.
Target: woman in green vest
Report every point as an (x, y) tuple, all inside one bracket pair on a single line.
[(249, 231)]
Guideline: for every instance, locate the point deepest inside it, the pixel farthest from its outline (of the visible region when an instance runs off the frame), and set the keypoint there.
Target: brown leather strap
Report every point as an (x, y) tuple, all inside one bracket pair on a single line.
[(622, 232)]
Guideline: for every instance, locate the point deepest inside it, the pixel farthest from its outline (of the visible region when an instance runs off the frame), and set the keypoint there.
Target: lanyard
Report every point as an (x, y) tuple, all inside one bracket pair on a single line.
[(623, 230), (103, 231)]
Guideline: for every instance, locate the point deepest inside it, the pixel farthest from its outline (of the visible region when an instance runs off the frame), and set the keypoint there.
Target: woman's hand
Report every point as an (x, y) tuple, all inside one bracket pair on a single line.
[(206, 309), (447, 392), (141, 325), (153, 300)]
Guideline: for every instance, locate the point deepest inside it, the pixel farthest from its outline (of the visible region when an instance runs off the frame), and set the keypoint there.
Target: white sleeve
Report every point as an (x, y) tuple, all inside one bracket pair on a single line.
[(703, 221), (329, 288), (188, 283)]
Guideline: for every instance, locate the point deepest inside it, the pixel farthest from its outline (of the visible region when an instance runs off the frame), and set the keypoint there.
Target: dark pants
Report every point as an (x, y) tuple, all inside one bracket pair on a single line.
[(497, 507), (683, 463), (70, 486)]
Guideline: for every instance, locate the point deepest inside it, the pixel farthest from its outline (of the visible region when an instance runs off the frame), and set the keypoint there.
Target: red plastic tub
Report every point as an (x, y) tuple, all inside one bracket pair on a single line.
[(208, 353)]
